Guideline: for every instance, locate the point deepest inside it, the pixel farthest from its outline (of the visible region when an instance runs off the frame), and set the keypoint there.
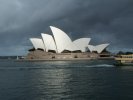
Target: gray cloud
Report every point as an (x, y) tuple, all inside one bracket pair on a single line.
[(102, 20)]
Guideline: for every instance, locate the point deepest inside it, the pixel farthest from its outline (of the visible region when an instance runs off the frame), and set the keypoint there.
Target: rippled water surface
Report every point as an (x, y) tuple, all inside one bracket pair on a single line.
[(65, 80)]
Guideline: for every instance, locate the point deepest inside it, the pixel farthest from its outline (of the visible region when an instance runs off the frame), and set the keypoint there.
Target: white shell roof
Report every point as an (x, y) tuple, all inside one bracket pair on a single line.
[(37, 43), (71, 47), (98, 48), (91, 48), (62, 40), (49, 42), (101, 47), (81, 44)]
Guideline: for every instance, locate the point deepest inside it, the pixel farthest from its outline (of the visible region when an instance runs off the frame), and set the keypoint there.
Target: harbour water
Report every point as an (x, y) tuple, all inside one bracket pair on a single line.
[(65, 80)]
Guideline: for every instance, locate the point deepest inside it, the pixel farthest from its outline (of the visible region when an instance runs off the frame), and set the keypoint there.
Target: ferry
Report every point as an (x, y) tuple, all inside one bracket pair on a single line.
[(124, 60)]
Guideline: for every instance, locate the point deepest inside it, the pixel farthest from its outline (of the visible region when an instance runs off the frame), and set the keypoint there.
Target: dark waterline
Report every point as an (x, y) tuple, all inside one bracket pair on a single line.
[(65, 80)]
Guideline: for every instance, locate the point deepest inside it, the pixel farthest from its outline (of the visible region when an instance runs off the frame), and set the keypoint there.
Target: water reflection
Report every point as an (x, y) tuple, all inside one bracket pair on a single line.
[(53, 83)]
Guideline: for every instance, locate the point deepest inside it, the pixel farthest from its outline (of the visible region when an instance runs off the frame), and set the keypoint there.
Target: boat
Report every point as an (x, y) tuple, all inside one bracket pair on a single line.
[(124, 60)]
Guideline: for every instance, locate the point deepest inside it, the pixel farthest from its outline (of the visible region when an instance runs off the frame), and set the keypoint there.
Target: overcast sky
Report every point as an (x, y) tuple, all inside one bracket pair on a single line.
[(105, 21)]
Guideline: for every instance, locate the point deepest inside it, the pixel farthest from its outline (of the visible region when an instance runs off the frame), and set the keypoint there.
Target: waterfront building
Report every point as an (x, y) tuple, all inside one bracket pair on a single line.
[(60, 45)]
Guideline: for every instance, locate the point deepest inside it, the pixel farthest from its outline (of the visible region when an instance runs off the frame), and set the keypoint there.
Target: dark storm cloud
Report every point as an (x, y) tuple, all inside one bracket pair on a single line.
[(102, 20)]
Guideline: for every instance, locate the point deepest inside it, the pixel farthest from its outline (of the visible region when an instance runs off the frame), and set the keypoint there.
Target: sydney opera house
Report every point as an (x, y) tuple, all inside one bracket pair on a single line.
[(59, 46)]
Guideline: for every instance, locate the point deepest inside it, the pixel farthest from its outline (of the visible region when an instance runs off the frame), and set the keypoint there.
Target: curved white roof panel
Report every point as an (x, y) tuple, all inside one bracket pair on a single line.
[(49, 42), (81, 44), (91, 48), (71, 47), (98, 48), (62, 40), (101, 47), (37, 43)]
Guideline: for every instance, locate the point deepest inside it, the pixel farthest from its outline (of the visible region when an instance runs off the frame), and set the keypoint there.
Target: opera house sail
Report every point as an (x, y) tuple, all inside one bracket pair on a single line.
[(61, 38), (37, 43), (59, 46), (48, 42), (81, 44), (98, 48)]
